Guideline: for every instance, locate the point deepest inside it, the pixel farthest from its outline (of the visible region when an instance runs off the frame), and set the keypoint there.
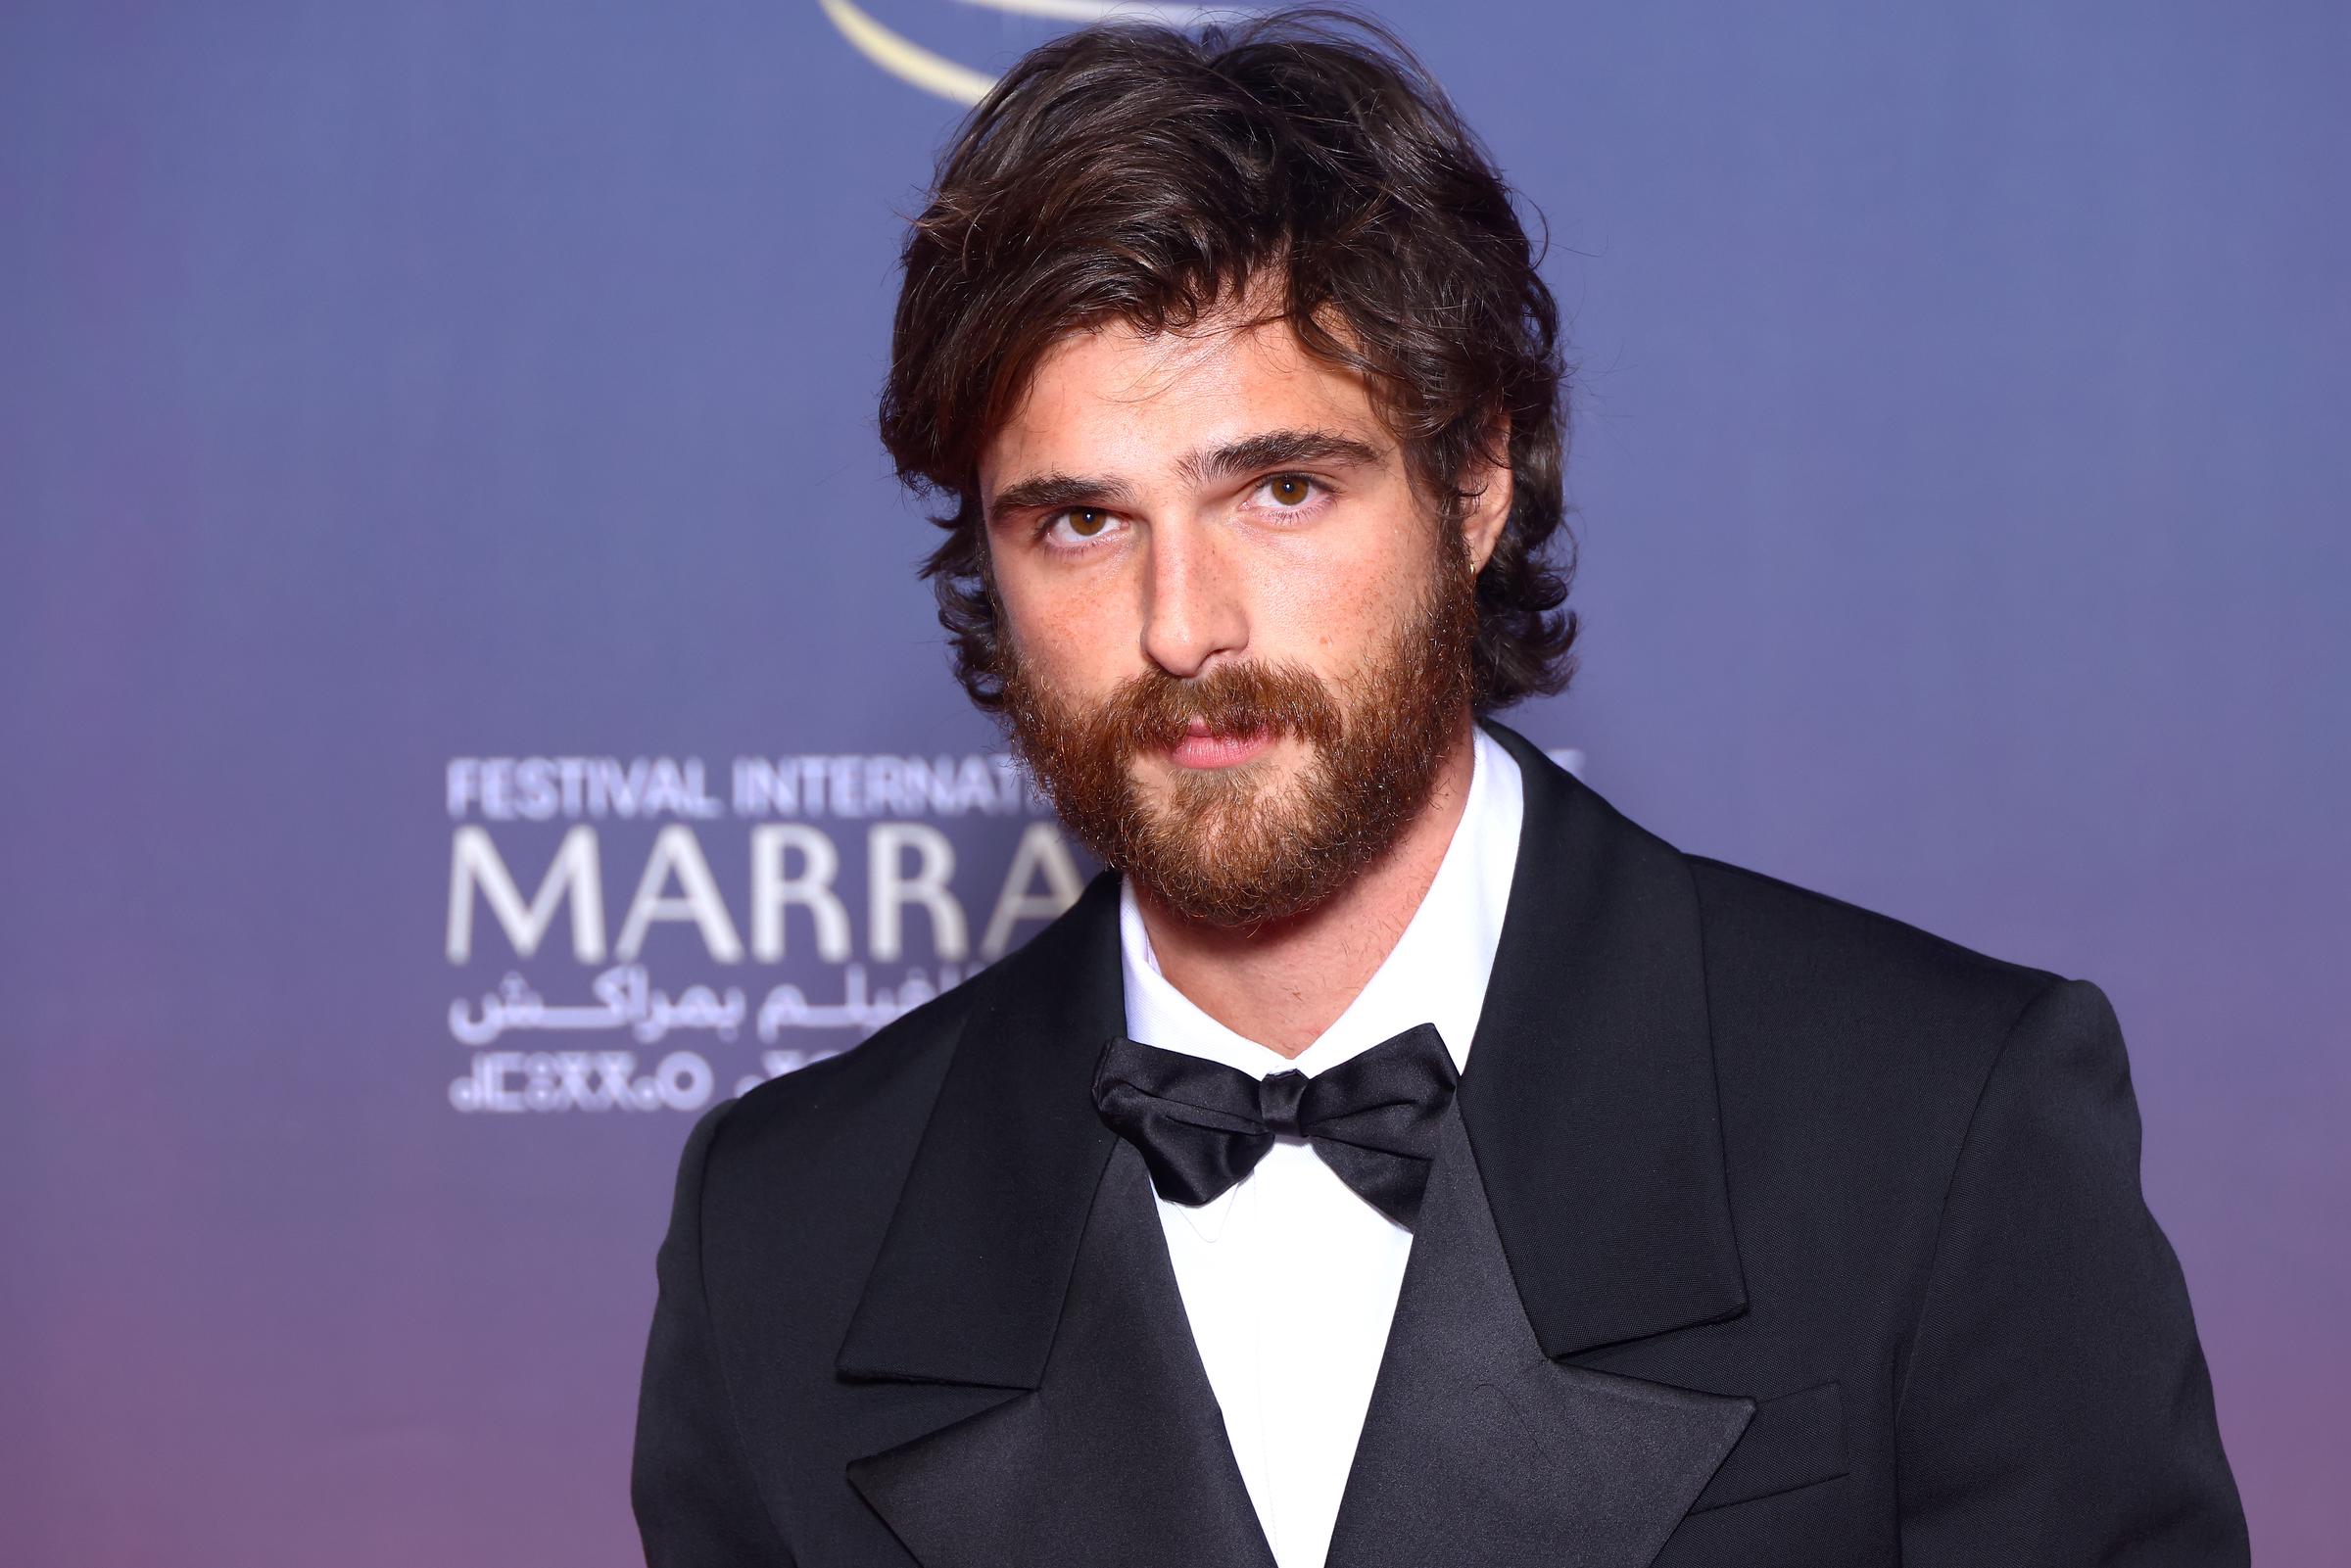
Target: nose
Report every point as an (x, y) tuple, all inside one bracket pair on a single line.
[(1193, 607)]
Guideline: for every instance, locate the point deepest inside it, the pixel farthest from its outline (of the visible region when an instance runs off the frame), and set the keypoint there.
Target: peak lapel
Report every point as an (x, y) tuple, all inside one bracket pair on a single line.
[(1590, 1094), (969, 1284), (1025, 1254), (1579, 1200), (1120, 1455), (1478, 1448)]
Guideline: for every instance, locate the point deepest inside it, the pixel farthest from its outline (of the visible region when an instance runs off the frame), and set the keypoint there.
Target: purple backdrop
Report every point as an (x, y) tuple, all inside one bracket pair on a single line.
[(389, 389)]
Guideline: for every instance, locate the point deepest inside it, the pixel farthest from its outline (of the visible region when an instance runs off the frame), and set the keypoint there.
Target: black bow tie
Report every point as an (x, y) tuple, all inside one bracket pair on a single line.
[(1202, 1126)]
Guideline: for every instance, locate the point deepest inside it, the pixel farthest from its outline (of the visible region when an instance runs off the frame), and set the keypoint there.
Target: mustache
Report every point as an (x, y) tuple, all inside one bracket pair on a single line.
[(1155, 710)]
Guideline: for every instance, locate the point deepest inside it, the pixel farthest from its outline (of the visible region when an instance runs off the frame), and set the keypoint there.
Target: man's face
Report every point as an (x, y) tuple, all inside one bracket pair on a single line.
[(1238, 639)]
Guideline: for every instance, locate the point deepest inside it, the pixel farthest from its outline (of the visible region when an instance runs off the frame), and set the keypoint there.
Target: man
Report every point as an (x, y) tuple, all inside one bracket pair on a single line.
[(1399, 1158)]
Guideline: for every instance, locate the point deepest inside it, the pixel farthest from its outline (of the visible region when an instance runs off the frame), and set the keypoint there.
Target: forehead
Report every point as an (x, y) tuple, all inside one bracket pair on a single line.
[(1117, 399)]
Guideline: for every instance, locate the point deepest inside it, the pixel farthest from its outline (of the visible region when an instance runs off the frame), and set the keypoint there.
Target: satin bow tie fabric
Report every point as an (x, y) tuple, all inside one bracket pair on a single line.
[(1201, 1125)]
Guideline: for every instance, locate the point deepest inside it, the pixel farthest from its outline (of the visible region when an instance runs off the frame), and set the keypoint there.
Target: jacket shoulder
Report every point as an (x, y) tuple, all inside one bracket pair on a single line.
[(1807, 945), (1852, 1052), (1836, 1018)]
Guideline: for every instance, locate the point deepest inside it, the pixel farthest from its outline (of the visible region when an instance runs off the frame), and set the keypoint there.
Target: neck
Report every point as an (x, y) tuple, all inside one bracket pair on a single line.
[(1283, 984)]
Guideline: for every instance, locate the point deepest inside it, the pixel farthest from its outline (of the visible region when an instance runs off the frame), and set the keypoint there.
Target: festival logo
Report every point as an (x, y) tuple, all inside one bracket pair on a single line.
[(777, 910)]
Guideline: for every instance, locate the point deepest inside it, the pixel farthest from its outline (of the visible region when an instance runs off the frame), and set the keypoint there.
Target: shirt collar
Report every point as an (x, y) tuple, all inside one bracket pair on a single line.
[(1436, 973)]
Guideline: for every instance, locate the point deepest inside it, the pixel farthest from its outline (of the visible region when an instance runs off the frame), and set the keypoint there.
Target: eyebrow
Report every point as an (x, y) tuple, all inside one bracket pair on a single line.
[(1271, 449), (1054, 491), (1278, 449)]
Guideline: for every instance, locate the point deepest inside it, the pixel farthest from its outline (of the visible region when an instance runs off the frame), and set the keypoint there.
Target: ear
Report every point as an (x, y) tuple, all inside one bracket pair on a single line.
[(1485, 488)]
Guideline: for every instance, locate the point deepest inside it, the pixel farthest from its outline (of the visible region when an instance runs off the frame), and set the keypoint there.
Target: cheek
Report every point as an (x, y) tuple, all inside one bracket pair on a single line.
[(1076, 637), (1330, 606)]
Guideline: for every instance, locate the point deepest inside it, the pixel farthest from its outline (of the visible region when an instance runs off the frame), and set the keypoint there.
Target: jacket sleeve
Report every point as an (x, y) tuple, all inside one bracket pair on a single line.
[(698, 1505), (2055, 1408)]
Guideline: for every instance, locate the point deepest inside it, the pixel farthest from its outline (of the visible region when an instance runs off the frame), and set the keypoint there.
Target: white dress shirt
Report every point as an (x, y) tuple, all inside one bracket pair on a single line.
[(1289, 1279)]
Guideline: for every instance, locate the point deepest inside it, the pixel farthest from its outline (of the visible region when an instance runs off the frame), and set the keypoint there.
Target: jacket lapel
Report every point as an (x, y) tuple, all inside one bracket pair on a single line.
[(1590, 1094), (1479, 1448), (1026, 1255), (1579, 1202), (968, 1283), (1118, 1456)]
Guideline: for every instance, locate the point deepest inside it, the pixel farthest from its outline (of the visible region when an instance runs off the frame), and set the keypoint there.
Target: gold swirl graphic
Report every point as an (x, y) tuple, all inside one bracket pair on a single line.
[(905, 58), (1175, 16), (935, 72)]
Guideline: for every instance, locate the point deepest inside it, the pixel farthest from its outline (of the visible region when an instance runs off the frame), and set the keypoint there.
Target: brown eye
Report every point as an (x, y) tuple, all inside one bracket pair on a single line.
[(1290, 490), (1086, 522)]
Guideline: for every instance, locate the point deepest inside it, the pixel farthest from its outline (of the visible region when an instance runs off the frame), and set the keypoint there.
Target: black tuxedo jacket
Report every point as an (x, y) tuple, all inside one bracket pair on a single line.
[(1767, 1231)]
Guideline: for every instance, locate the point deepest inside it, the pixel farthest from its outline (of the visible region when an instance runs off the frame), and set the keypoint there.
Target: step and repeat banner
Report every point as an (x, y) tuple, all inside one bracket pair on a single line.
[(469, 704)]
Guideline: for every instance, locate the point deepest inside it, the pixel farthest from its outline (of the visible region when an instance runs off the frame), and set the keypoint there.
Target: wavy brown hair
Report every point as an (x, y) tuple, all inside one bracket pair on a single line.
[(1148, 174)]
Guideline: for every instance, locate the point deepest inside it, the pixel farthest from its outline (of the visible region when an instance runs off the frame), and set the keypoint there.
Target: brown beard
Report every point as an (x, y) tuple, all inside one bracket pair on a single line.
[(1227, 846)]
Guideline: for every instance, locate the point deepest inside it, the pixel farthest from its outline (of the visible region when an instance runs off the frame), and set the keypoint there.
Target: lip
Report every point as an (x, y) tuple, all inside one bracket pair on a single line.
[(1203, 749)]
